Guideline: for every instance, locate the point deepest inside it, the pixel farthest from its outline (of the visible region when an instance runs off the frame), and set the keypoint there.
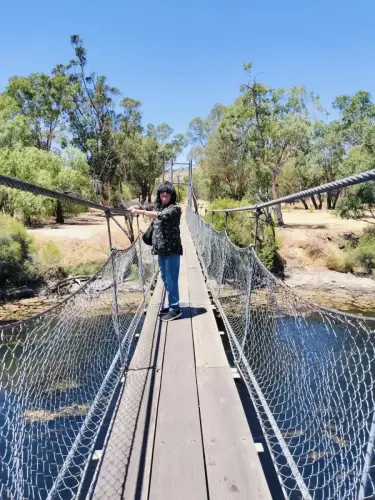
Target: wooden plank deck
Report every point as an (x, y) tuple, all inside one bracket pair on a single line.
[(180, 431)]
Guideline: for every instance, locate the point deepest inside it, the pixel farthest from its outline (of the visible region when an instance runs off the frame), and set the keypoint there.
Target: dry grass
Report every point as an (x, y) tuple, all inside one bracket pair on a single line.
[(68, 255), (82, 243), (314, 249), (339, 262), (74, 252)]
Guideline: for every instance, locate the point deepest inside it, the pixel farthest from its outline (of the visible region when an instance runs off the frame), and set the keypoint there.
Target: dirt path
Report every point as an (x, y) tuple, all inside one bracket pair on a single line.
[(89, 227)]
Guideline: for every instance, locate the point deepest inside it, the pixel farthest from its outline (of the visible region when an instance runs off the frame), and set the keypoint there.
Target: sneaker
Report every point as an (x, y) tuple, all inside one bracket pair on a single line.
[(164, 310), (172, 315)]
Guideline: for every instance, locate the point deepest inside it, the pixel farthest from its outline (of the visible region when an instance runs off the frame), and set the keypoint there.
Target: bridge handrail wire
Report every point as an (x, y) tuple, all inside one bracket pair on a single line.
[(13, 183), (324, 188), (309, 371)]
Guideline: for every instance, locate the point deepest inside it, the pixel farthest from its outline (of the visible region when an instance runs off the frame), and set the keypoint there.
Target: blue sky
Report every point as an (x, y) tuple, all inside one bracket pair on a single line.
[(180, 57)]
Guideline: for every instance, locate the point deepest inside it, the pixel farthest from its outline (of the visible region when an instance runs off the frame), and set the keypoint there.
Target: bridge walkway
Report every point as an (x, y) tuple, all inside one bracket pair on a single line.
[(179, 430)]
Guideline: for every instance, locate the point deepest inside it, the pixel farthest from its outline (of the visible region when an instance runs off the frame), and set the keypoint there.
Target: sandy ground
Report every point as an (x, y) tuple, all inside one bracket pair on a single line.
[(90, 226)]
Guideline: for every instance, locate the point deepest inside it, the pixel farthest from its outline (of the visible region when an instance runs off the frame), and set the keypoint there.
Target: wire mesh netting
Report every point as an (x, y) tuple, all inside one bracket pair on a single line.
[(309, 371), (60, 374)]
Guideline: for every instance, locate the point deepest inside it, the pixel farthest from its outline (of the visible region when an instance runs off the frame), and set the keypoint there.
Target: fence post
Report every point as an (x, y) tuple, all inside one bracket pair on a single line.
[(163, 160), (368, 460), (257, 214), (248, 306), (115, 291), (224, 257), (140, 266)]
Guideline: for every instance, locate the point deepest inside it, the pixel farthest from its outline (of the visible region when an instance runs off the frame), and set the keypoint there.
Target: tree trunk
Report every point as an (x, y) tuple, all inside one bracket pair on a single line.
[(149, 193), (303, 201), (275, 192), (329, 201), (314, 202), (320, 201), (130, 228), (59, 213), (335, 198), (144, 192), (105, 193)]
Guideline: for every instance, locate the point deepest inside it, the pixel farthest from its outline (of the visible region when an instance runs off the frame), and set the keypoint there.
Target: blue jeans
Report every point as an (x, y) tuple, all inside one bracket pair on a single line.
[(170, 270)]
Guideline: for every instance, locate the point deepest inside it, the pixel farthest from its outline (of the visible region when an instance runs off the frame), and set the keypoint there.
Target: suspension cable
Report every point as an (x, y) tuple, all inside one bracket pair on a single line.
[(57, 195), (324, 188)]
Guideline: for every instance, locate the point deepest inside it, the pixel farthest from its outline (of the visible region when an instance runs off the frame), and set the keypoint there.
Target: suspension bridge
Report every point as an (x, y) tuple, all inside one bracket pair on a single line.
[(99, 399)]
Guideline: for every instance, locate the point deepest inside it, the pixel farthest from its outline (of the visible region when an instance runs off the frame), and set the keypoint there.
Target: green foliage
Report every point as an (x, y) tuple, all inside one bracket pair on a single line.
[(65, 173), (14, 128), (240, 225), (240, 229), (268, 252), (356, 257), (364, 253), (16, 248), (88, 269), (359, 202), (200, 184), (252, 140), (181, 191), (45, 101)]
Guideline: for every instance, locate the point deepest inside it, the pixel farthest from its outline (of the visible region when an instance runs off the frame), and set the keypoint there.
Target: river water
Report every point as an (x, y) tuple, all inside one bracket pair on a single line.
[(316, 374), (49, 380)]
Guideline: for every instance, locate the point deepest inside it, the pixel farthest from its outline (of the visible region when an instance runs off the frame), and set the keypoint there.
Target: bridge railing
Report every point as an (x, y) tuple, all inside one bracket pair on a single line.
[(60, 373), (309, 370)]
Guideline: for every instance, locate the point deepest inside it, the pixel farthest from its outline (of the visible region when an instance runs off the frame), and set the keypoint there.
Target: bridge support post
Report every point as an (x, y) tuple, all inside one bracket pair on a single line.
[(115, 314), (257, 214), (163, 160), (368, 460), (248, 307), (140, 266)]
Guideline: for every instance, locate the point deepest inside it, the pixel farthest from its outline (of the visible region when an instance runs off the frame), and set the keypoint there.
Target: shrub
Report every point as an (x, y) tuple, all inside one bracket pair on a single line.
[(16, 249), (48, 261), (268, 252), (240, 224), (118, 197), (357, 255), (364, 253), (241, 227), (339, 262), (181, 193), (88, 269)]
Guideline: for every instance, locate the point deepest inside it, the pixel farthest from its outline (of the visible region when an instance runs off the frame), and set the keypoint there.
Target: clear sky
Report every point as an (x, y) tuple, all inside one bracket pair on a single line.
[(179, 57)]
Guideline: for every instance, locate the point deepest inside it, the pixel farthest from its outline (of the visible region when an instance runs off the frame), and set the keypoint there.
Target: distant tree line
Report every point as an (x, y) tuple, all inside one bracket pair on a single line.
[(70, 130), (273, 142)]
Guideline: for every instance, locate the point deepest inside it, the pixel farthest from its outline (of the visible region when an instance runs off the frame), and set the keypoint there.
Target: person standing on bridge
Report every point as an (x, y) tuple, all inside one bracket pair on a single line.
[(166, 244)]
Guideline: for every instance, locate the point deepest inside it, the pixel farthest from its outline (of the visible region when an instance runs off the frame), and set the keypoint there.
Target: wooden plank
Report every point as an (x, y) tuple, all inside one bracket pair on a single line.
[(197, 286), (115, 462), (209, 350), (233, 466), (178, 470), (139, 471)]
